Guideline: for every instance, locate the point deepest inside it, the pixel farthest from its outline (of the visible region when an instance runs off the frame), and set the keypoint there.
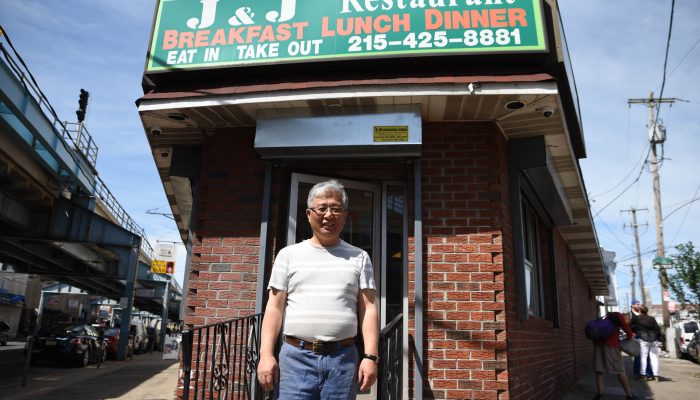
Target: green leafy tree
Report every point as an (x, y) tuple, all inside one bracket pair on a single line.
[(685, 281)]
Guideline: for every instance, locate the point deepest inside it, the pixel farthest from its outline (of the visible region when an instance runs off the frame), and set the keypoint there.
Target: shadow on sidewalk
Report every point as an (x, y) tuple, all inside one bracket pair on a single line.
[(147, 376), (585, 388)]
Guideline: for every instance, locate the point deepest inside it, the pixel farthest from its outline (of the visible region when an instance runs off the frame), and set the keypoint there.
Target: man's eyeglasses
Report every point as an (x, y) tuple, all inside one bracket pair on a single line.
[(320, 211)]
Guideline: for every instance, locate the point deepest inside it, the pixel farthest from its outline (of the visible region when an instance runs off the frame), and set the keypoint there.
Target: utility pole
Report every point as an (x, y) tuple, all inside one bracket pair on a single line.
[(657, 135), (633, 211), (633, 283)]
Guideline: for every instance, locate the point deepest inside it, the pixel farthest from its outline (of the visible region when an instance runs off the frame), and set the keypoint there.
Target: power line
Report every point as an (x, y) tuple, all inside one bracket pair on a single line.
[(639, 175), (687, 211), (642, 158), (689, 202), (684, 57), (668, 47), (613, 233)]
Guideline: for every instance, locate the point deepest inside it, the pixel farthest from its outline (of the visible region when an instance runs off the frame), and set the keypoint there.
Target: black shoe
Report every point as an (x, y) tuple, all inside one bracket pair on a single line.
[(633, 397), (599, 397)]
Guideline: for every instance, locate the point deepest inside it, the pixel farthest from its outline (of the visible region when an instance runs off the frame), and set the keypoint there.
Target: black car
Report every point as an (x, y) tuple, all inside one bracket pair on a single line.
[(78, 344), (4, 333)]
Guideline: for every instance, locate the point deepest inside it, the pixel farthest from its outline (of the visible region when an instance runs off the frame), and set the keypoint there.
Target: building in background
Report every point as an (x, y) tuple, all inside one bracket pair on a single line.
[(455, 128), (611, 302), (19, 299)]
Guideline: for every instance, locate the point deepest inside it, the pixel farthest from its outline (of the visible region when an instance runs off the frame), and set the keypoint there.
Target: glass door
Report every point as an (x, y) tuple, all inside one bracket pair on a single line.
[(362, 223), (377, 223)]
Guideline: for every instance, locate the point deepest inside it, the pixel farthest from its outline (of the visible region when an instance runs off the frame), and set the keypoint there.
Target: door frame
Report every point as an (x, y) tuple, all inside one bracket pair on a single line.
[(379, 246)]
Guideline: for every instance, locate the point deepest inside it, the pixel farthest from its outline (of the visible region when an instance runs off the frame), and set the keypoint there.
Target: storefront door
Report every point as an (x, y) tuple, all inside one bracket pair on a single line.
[(376, 223)]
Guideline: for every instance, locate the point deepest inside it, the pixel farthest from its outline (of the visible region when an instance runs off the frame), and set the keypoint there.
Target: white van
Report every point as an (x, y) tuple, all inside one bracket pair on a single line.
[(687, 331), (138, 331)]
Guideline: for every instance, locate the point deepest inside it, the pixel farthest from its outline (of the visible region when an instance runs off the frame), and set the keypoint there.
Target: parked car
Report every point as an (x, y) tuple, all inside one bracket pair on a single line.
[(138, 332), (78, 344), (693, 347), (4, 333), (688, 330), (112, 343)]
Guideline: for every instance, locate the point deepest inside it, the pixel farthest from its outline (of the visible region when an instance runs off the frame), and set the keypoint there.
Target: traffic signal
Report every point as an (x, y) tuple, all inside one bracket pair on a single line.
[(82, 104)]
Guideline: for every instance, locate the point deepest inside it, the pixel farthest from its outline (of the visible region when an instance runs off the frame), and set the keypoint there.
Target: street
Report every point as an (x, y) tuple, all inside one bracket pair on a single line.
[(147, 376)]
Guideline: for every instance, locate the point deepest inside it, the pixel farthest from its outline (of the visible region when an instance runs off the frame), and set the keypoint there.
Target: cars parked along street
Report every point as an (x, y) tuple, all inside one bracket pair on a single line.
[(688, 331), (138, 331), (112, 343), (78, 344)]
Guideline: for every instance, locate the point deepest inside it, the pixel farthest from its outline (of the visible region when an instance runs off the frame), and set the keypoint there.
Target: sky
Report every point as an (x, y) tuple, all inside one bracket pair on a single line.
[(617, 49)]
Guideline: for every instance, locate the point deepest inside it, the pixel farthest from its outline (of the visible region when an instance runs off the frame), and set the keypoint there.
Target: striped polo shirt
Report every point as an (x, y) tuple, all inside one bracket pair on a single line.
[(322, 285)]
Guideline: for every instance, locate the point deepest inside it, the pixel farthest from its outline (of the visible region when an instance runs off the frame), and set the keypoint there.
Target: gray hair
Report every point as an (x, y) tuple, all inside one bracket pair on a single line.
[(322, 187)]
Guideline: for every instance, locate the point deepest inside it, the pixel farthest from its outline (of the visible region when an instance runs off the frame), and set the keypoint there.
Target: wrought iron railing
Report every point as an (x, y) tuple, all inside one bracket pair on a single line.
[(219, 360), (390, 380)]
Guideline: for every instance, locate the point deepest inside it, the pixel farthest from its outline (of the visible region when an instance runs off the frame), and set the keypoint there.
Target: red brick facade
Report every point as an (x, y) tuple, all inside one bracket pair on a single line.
[(475, 346), (224, 261)]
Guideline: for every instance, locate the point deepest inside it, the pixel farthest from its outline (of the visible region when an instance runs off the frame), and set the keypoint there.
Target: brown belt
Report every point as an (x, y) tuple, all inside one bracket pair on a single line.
[(319, 347)]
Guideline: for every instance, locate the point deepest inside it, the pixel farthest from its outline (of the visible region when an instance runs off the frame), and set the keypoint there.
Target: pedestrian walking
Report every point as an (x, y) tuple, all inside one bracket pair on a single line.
[(320, 292), (649, 332), (607, 357)]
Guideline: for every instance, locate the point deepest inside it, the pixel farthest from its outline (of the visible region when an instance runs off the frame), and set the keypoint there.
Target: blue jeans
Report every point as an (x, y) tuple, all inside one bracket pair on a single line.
[(308, 376)]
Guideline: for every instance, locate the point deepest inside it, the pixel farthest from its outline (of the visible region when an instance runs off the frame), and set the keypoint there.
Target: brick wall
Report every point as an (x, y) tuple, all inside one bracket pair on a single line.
[(475, 346), (545, 360), (463, 180), (224, 262)]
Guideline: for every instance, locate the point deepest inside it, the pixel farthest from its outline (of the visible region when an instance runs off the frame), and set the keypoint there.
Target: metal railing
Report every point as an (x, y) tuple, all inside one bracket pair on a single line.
[(76, 137), (219, 360), (83, 145), (390, 379), (81, 138), (119, 213)]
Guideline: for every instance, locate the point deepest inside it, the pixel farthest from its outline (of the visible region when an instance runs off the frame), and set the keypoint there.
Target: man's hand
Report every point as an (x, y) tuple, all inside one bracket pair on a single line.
[(268, 372), (367, 374)]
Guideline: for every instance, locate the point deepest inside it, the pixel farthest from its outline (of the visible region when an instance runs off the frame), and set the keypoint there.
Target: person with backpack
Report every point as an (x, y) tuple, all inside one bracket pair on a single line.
[(607, 357), (647, 329)]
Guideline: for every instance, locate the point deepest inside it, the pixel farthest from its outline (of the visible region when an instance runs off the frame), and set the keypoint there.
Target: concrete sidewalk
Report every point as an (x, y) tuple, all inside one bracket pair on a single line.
[(145, 377), (680, 379)]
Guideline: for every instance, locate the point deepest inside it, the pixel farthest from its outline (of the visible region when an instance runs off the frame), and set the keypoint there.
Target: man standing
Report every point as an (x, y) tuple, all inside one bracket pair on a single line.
[(320, 291)]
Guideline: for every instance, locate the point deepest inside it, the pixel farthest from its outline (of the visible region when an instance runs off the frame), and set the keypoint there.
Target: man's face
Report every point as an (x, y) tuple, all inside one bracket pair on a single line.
[(327, 225)]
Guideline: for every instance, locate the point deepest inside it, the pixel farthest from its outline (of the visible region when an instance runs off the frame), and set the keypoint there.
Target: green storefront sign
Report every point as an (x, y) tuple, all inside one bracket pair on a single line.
[(215, 33)]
